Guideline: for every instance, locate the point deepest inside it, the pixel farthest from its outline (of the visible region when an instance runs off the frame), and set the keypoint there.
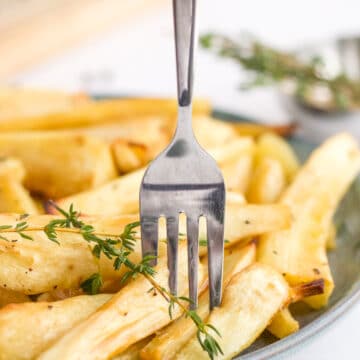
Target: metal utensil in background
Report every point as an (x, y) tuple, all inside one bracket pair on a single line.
[(185, 179), (340, 55)]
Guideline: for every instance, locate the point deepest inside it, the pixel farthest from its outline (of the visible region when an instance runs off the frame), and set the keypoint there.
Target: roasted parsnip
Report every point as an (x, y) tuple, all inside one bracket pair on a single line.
[(37, 266), (300, 253), (58, 165), (274, 146), (132, 353), (172, 338), (20, 107), (11, 297), (87, 113), (131, 315), (120, 196), (33, 267), (220, 134), (14, 198), (51, 320), (255, 130), (283, 324), (249, 302), (267, 182)]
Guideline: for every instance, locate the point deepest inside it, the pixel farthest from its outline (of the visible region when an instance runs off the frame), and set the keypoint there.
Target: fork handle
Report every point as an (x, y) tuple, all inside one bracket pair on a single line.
[(184, 25)]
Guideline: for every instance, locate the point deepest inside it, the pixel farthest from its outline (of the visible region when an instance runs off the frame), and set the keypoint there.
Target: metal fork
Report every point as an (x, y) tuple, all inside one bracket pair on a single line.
[(184, 178)]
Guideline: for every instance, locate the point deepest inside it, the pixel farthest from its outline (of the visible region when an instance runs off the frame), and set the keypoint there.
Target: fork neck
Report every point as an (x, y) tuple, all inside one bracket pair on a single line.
[(184, 124)]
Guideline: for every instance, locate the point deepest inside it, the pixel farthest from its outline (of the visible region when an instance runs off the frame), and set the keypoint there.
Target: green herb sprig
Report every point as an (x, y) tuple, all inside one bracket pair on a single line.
[(271, 66), (118, 249)]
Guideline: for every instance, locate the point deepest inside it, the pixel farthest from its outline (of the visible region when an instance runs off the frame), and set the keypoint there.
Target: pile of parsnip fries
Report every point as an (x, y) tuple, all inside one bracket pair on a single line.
[(91, 155)]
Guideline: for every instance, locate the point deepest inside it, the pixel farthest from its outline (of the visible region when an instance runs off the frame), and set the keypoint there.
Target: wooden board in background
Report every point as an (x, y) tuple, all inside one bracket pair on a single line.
[(32, 31)]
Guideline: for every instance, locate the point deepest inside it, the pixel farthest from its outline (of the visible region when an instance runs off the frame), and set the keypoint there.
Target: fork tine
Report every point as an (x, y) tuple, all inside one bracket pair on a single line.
[(215, 240), (172, 231), (192, 231), (149, 237)]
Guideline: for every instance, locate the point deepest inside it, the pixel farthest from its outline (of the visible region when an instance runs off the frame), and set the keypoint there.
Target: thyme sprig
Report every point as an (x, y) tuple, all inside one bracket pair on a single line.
[(271, 66), (118, 249), (18, 228)]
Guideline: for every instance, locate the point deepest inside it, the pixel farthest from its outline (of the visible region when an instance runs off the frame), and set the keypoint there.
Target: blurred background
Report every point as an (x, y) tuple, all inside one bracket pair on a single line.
[(126, 47)]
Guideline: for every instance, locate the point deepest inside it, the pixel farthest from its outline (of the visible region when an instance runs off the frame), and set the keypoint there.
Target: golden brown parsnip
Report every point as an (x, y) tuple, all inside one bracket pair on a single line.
[(267, 183), (300, 252), (20, 107), (250, 300), (244, 221), (237, 174), (255, 130), (34, 267), (276, 147), (132, 353), (11, 169), (131, 315), (120, 196), (130, 147), (331, 237), (36, 326), (86, 113), (212, 133), (172, 338), (11, 297), (48, 261), (14, 198), (283, 324), (59, 165)]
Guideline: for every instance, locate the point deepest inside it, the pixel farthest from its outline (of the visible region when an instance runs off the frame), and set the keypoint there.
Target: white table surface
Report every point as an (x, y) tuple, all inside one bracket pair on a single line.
[(139, 59)]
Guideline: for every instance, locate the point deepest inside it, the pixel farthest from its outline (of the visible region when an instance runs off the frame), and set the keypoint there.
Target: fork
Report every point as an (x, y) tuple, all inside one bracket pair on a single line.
[(185, 179)]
